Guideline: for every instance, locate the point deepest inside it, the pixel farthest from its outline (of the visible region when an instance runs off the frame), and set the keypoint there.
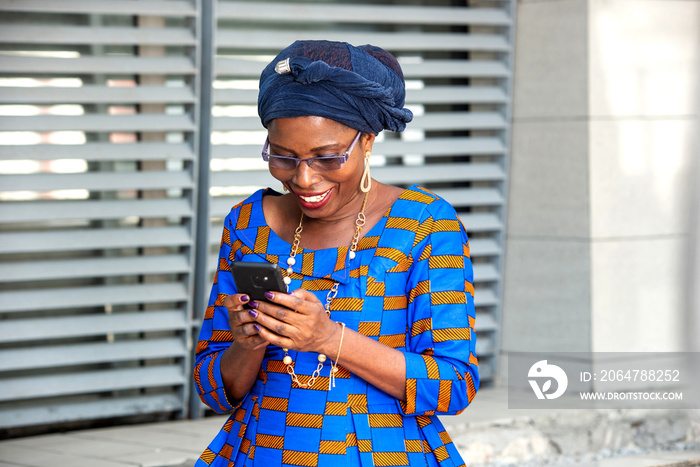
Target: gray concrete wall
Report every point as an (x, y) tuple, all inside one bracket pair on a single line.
[(546, 295), (604, 120)]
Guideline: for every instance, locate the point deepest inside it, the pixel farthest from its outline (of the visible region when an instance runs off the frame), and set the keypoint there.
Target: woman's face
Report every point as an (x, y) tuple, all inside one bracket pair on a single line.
[(323, 195)]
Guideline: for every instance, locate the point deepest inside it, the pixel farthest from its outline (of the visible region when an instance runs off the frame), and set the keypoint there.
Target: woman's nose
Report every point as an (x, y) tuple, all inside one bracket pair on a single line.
[(305, 176)]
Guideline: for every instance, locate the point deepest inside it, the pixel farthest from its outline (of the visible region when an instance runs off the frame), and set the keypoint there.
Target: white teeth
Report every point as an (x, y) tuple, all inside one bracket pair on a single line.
[(314, 199)]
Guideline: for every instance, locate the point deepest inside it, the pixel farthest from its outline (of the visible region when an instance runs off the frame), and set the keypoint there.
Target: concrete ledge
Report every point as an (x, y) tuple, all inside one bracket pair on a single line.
[(490, 434)]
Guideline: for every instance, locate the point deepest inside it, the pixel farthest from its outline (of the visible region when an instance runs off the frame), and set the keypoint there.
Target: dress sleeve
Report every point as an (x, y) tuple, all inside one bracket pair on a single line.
[(215, 335), (441, 367)]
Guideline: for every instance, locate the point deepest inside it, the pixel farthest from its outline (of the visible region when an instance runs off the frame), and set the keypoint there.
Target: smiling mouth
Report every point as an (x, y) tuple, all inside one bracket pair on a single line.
[(314, 199)]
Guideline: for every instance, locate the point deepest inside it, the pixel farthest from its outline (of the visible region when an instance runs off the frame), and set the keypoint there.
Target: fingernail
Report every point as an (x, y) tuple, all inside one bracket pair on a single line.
[(253, 304), (245, 298), (253, 313), (257, 328), (269, 295)]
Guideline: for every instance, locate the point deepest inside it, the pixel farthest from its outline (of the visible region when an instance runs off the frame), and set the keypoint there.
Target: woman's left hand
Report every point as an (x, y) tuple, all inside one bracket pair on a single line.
[(296, 321)]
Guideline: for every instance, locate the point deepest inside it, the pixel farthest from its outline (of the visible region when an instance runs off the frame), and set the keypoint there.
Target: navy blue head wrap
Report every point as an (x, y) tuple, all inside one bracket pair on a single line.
[(361, 87)]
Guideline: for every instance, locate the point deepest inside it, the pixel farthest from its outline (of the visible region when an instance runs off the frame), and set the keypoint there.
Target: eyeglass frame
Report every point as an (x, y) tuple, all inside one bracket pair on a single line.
[(310, 161)]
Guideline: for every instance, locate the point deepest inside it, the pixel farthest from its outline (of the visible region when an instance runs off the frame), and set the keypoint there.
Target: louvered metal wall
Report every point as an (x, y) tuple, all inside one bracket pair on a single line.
[(102, 284), (457, 63)]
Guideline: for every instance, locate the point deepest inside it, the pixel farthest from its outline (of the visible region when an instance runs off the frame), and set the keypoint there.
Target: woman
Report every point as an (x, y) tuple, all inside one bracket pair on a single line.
[(376, 336)]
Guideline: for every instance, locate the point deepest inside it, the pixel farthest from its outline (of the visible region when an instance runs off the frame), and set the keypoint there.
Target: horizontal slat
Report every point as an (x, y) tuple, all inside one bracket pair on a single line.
[(266, 39), (484, 272), (37, 211), (438, 173), (391, 147), (121, 7), (256, 178), (427, 95), (459, 121), (235, 96), (459, 197), (220, 206), (454, 69), (251, 69), (456, 95), (76, 297), (100, 151), (90, 382), (431, 121), (481, 222), (236, 124), (98, 181), (391, 174), (18, 271), (484, 247), (102, 408), (84, 354), (368, 13), (18, 330), (485, 297), (98, 123), (485, 323), (93, 239), (84, 65), (31, 34), (240, 68), (96, 95)]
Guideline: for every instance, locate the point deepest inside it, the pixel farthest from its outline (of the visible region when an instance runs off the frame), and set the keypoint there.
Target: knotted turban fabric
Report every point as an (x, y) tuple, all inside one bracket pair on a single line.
[(361, 87)]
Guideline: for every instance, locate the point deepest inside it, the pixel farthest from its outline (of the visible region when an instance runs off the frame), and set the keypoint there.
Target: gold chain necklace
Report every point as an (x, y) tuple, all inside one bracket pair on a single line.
[(359, 223)]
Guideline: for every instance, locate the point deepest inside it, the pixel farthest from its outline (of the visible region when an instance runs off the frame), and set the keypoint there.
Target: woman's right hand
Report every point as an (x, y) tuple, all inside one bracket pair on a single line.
[(244, 330), (241, 361)]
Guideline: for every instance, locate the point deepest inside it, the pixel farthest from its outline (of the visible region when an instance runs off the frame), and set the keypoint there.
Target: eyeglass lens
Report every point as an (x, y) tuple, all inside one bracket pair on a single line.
[(317, 163)]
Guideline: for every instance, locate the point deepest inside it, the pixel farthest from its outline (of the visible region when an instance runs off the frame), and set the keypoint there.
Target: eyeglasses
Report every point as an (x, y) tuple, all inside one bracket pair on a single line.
[(319, 163)]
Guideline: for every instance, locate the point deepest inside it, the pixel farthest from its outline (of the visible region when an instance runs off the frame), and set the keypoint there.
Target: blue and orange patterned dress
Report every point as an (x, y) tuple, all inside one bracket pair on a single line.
[(409, 287)]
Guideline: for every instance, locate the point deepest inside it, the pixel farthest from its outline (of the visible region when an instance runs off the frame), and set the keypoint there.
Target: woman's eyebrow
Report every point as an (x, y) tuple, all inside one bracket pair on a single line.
[(316, 149)]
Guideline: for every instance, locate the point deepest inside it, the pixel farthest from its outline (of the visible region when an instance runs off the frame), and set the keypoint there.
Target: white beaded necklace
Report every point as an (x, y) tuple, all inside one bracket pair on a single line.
[(359, 223)]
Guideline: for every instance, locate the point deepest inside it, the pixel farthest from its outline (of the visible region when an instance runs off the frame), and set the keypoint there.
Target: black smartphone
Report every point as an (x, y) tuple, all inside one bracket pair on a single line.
[(254, 279)]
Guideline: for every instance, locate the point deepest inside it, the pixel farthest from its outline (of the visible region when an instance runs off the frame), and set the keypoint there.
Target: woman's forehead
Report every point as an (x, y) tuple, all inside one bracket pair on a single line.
[(308, 126)]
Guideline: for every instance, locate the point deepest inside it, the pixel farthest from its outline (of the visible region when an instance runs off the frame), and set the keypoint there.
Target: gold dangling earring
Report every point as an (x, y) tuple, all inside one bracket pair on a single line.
[(366, 182), (284, 187)]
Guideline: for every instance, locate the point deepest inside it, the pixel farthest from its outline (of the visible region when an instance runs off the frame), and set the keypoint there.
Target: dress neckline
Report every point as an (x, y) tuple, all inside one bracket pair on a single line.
[(329, 263), (379, 225)]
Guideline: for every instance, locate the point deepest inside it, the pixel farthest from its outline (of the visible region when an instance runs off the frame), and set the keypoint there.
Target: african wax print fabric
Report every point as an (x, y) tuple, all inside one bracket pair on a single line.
[(409, 287)]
